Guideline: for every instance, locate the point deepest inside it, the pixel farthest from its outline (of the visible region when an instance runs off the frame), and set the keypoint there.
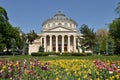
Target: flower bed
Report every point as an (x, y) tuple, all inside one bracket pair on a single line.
[(33, 69)]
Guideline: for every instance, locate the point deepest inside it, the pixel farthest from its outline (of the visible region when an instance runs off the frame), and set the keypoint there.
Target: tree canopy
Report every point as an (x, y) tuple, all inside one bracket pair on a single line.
[(114, 30), (7, 31), (117, 10), (87, 39), (3, 15)]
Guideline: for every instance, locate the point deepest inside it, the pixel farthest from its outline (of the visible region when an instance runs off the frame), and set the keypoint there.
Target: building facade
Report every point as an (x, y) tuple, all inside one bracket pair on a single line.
[(59, 34)]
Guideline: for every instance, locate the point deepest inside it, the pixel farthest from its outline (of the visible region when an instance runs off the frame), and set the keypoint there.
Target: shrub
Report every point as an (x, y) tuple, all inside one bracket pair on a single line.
[(88, 54), (39, 54), (41, 49), (78, 54), (66, 54), (44, 53), (52, 53), (81, 54)]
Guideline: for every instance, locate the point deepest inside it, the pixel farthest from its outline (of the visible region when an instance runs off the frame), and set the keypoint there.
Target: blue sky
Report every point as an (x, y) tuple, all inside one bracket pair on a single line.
[(30, 14)]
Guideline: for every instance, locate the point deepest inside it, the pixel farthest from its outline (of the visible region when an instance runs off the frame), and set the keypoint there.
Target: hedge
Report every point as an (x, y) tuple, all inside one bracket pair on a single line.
[(44, 53), (61, 54), (39, 54)]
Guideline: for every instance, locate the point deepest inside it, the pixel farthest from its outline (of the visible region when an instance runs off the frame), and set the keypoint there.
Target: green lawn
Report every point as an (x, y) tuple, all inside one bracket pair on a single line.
[(93, 57)]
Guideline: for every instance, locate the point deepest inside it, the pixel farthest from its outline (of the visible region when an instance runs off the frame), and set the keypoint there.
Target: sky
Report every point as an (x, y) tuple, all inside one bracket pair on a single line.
[(30, 14)]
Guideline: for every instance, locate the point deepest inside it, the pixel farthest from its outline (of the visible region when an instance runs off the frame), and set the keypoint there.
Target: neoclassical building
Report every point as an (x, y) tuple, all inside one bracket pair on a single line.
[(59, 34)]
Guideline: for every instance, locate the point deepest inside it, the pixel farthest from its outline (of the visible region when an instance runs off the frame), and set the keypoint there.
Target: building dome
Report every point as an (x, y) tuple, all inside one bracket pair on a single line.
[(60, 16), (59, 19)]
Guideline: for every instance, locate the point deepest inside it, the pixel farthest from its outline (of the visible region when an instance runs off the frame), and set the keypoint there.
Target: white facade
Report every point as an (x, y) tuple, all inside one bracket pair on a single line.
[(59, 34)]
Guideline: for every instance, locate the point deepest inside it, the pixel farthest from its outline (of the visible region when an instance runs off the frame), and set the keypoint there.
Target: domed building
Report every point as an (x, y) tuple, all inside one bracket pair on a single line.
[(59, 34)]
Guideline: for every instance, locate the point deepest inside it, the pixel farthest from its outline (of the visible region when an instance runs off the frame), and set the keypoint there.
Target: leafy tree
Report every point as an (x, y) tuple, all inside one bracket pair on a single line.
[(101, 37), (114, 30), (31, 36), (7, 31), (118, 9), (26, 39), (1, 44), (3, 15), (87, 39)]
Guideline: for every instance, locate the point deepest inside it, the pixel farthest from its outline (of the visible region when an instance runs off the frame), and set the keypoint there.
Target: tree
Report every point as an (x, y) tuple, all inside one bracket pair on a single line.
[(109, 47), (7, 31), (114, 30), (1, 44), (3, 15), (118, 9), (41, 49), (13, 46), (87, 39), (31, 36), (27, 39), (101, 37), (97, 48)]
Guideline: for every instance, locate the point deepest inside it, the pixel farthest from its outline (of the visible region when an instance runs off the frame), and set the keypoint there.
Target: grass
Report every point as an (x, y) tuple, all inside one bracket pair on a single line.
[(93, 57)]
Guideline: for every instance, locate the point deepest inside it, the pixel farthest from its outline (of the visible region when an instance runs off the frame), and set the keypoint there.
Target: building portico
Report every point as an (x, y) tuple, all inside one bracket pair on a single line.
[(59, 34), (59, 43)]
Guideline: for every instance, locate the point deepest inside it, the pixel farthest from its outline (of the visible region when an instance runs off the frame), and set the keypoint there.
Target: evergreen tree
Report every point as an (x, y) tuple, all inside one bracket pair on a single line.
[(97, 48), (41, 49), (25, 48), (109, 47), (13, 46), (87, 38)]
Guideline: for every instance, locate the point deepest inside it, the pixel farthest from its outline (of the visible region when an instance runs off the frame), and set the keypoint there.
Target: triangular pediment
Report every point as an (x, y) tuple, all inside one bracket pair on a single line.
[(59, 28)]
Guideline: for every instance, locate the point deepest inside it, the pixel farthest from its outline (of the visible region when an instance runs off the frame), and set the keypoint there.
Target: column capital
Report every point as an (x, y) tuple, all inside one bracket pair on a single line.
[(62, 35), (44, 35), (50, 35), (75, 35), (69, 35), (56, 35)]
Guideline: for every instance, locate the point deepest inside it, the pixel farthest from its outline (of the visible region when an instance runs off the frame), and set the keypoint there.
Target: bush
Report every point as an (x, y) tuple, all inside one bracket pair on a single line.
[(62, 54), (78, 54), (44, 53), (88, 54), (41, 49), (39, 54), (65, 54), (81, 54), (52, 53)]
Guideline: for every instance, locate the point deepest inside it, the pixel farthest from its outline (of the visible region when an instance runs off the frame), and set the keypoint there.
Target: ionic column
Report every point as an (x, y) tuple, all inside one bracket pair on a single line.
[(68, 43), (45, 43), (74, 43), (56, 43), (50, 43), (62, 43)]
